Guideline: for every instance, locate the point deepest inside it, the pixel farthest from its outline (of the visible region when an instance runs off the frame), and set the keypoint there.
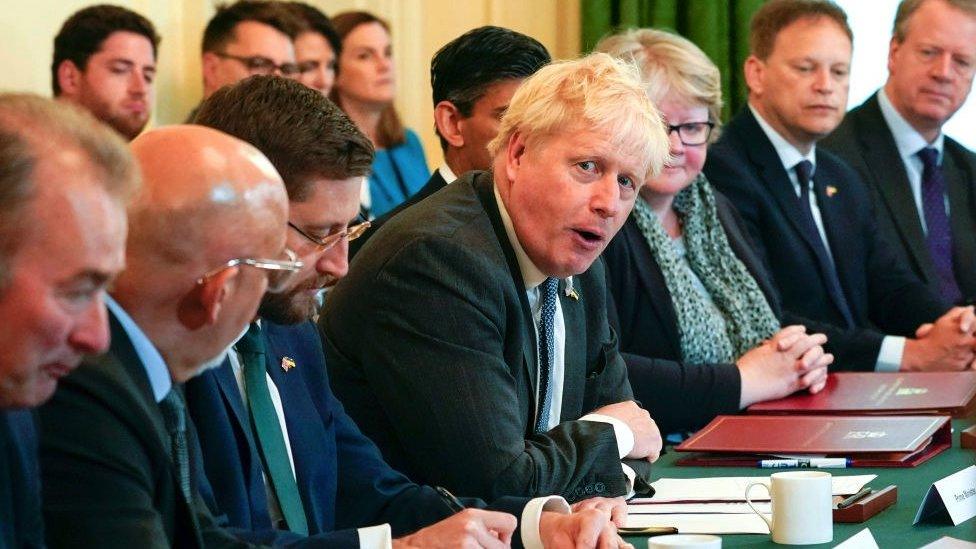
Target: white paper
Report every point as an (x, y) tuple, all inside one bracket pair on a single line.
[(946, 542), (861, 540), (734, 488), (702, 523), (688, 508)]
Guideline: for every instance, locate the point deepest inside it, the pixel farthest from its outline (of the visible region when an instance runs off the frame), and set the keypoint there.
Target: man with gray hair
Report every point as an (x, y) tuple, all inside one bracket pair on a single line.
[(922, 179), (470, 338), (64, 181)]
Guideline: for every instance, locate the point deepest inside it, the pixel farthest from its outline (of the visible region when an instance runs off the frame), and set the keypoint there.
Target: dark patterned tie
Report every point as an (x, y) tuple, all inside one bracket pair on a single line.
[(938, 236), (547, 317), (174, 416), (271, 440), (804, 176)]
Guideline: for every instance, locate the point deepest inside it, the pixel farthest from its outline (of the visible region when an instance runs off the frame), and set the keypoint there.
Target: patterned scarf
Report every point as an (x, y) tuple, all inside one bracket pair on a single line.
[(748, 319)]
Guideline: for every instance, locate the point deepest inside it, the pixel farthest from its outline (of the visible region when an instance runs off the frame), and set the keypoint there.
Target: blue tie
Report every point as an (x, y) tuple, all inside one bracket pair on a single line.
[(804, 176), (938, 236), (174, 416), (547, 293)]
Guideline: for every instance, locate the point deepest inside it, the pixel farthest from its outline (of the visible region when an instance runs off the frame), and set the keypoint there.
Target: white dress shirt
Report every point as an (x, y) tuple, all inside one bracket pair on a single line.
[(892, 347), (909, 142)]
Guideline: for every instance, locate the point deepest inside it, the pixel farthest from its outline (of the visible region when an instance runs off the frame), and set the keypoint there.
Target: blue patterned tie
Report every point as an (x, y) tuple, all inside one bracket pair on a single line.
[(548, 294), (174, 416), (938, 236), (804, 176)]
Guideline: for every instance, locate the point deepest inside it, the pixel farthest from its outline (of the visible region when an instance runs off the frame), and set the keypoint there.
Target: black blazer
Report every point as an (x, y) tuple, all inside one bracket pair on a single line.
[(20, 489), (865, 142), (431, 347), (108, 479), (880, 292), (434, 184)]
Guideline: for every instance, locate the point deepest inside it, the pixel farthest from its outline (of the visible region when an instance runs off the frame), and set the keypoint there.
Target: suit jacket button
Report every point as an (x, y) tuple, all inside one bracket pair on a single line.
[(589, 489), (600, 487)]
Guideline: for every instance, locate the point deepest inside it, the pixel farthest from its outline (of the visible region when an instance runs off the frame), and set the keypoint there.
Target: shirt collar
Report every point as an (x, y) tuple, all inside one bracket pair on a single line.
[(152, 361), (788, 154), (907, 139), (532, 276), (448, 174)]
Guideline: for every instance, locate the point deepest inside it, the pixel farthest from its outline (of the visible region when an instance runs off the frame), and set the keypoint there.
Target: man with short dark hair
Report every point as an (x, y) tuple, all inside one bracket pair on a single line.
[(245, 38), (810, 214), (473, 78), (63, 188), (922, 180), (306, 467), (105, 61)]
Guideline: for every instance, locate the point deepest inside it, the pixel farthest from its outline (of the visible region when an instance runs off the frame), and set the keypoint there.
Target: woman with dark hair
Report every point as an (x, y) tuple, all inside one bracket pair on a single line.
[(365, 89), (317, 48)]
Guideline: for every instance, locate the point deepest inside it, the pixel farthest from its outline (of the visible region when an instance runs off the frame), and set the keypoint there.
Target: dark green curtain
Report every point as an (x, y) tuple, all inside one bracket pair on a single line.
[(719, 27)]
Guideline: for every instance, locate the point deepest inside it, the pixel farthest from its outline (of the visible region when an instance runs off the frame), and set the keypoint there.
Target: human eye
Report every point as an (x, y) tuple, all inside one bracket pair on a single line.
[(927, 53), (260, 64), (80, 294), (626, 181), (803, 67), (587, 165)]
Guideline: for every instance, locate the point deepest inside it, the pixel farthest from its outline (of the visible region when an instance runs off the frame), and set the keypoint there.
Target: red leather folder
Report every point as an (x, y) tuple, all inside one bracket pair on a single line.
[(943, 393), (867, 441)]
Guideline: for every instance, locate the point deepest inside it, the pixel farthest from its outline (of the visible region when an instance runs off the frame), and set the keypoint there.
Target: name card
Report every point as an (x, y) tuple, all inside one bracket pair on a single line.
[(955, 496), (861, 540)]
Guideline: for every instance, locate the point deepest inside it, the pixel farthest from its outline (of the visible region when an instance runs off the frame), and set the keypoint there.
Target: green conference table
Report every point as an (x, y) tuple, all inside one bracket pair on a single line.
[(891, 528)]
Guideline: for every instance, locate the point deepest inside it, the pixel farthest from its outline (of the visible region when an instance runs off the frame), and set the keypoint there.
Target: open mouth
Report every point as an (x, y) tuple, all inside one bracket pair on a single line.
[(589, 236)]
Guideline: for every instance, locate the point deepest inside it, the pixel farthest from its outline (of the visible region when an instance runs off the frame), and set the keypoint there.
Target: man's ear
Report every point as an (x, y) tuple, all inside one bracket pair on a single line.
[(892, 50), (514, 152), (69, 78), (754, 70), (448, 120), (208, 64), (201, 307)]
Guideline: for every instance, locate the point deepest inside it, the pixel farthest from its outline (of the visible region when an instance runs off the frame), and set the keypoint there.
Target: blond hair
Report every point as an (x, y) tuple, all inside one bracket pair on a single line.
[(669, 64), (907, 8), (597, 93)]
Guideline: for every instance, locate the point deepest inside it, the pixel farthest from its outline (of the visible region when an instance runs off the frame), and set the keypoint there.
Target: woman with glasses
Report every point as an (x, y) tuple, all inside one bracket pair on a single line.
[(697, 317), (365, 88)]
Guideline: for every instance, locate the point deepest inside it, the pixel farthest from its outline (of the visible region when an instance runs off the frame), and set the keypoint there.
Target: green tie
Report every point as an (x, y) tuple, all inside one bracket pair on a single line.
[(264, 419)]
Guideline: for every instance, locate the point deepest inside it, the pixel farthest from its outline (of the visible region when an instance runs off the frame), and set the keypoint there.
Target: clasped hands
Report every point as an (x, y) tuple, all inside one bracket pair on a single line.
[(789, 361), (948, 344)]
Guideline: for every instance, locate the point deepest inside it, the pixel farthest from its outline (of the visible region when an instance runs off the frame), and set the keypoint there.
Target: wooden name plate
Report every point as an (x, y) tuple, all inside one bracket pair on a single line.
[(868, 506)]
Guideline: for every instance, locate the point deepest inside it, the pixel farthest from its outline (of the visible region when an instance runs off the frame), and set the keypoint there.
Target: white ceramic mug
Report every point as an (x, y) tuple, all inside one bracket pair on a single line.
[(685, 541), (801, 505)]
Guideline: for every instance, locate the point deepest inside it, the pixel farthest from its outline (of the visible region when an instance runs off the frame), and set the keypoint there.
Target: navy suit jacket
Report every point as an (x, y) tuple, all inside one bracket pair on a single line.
[(342, 479), (20, 487), (865, 142), (880, 292)]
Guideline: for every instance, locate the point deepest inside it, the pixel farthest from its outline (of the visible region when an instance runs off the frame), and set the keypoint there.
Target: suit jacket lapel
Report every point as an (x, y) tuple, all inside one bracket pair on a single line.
[(882, 156), (231, 393), (574, 353)]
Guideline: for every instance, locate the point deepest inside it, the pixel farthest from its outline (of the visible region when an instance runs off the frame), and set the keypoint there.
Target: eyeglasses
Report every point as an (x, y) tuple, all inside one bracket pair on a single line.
[(313, 65), (692, 133), (322, 244), (256, 64), (280, 271)]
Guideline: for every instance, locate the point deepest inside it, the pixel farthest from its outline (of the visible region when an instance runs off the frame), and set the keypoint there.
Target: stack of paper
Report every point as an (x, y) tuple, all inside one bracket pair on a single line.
[(715, 505)]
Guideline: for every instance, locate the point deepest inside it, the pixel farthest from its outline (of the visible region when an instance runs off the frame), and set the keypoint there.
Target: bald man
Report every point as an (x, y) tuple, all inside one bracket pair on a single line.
[(63, 187), (207, 238)]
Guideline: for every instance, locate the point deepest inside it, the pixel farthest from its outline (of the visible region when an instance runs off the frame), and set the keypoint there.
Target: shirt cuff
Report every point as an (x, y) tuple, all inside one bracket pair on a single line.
[(376, 537), (532, 513), (889, 357), (625, 437), (631, 475)]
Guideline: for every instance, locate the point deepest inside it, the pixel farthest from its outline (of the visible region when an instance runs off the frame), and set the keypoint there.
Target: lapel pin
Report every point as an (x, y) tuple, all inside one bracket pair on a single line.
[(831, 191), (570, 290), (287, 363)]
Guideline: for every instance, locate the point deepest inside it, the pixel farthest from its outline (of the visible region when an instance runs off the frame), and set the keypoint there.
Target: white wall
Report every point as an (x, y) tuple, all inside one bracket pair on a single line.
[(871, 22)]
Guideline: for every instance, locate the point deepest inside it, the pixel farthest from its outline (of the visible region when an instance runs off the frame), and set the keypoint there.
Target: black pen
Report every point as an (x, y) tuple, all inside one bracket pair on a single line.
[(452, 502), (848, 501)]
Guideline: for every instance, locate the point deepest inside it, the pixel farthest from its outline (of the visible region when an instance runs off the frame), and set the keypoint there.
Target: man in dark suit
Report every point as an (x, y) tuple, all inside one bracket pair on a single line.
[(334, 480), (473, 78), (922, 180), (50, 288), (432, 338), (105, 61), (821, 244), (116, 446)]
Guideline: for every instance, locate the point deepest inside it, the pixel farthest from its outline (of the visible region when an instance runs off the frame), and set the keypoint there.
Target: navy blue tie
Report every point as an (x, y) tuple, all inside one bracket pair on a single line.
[(548, 294), (938, 235), (804, 176), (174, 416)]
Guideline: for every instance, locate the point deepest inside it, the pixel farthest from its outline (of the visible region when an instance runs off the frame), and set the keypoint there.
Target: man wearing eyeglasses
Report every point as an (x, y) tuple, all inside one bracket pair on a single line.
[(278, 448), (246, 38), (206, 239)]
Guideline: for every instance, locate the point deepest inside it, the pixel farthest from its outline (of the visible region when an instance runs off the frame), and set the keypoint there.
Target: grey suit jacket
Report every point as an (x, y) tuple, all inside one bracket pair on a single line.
[(865, 142), (432, 349)]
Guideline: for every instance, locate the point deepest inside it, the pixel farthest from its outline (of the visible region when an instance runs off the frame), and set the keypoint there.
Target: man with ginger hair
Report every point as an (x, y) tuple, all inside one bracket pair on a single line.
[(64, 182), (207, 237), (432, 339)]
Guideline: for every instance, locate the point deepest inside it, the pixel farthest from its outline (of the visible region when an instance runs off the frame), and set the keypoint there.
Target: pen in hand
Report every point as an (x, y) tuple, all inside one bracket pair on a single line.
[(453, 503)]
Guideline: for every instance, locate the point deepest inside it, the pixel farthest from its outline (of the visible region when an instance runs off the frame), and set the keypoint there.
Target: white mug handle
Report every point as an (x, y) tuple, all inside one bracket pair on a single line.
[(753, 507)]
